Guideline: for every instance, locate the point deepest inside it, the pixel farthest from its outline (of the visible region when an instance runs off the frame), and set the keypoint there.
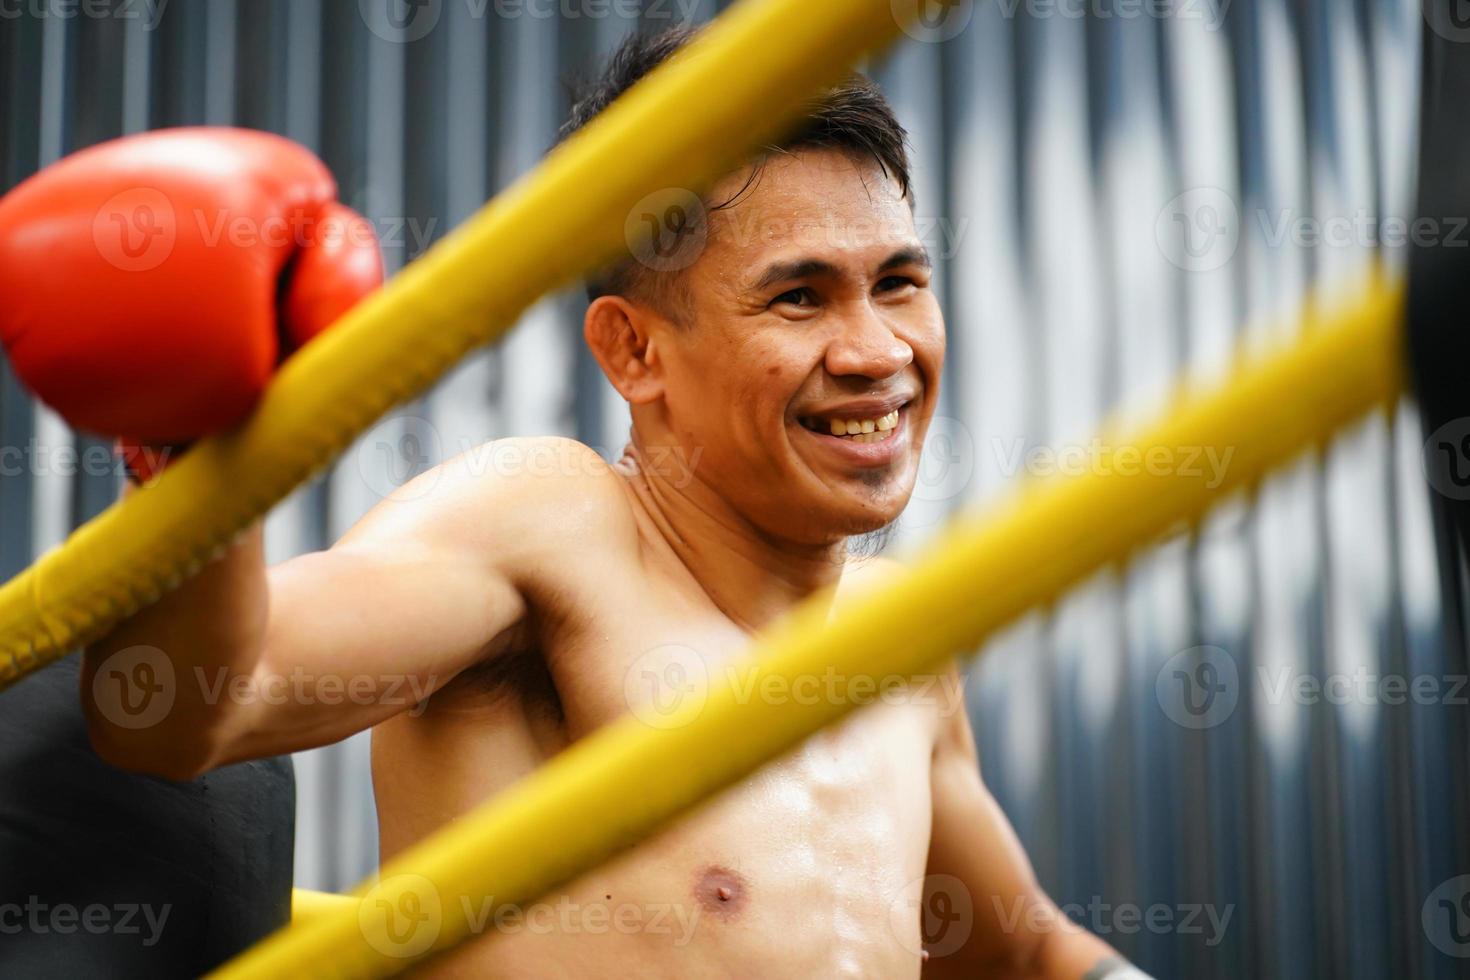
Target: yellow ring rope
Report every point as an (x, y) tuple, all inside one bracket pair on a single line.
[(620, 784), (690, 120), (308, 905)]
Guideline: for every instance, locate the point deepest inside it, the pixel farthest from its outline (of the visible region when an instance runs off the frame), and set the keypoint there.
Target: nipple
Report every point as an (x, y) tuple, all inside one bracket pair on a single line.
[(721, 892)]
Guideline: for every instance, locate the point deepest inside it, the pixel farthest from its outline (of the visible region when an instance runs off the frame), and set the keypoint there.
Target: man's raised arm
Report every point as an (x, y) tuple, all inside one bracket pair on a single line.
[(244, 662), (1016, 931)]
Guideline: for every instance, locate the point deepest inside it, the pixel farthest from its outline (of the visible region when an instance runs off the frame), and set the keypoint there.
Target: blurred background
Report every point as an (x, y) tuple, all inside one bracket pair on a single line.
[(1199, 750)]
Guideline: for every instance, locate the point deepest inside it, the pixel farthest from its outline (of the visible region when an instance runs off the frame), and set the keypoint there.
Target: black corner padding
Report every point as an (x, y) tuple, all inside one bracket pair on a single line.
[(106, 874), (1439, 260)]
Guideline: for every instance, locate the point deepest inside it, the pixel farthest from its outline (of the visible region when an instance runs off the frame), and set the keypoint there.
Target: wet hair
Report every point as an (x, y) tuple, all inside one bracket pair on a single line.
[(851, 116)]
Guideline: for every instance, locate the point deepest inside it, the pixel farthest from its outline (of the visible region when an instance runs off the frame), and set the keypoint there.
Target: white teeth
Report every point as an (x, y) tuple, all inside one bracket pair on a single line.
[(860, 430)]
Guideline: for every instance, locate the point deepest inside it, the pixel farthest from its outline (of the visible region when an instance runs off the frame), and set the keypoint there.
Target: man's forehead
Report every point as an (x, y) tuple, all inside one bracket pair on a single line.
[(811, 201)]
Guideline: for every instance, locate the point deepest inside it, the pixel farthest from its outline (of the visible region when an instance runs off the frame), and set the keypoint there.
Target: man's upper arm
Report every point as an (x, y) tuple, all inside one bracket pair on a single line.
[(1015, 930), (427, 584)]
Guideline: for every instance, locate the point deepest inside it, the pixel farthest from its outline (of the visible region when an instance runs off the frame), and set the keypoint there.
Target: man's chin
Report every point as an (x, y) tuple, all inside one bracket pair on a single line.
[(845, 518)]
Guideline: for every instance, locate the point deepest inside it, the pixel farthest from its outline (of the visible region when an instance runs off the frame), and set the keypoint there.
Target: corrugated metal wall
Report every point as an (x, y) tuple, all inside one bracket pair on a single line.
[(1115, 199)]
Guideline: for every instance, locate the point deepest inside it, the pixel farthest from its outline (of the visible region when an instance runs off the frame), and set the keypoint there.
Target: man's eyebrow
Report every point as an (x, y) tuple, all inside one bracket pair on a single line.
[(912, 255), (799, 269), (806, 268)]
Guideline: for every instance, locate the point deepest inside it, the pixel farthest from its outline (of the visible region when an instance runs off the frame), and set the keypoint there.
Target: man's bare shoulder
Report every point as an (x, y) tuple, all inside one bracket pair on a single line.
[(514, 495)]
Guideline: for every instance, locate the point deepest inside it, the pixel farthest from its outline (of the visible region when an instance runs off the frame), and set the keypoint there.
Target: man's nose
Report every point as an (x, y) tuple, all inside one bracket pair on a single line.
[(867, 345)]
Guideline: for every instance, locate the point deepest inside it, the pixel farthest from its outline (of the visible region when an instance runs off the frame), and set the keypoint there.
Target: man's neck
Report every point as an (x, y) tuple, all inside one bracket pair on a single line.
[(752, 577)]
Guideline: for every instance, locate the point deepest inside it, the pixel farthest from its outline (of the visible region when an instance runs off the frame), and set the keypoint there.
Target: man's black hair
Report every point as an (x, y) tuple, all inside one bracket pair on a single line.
[(852, 116)]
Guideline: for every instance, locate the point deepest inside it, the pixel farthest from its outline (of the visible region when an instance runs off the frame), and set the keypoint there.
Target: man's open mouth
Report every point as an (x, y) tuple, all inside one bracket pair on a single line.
[(874, 429)]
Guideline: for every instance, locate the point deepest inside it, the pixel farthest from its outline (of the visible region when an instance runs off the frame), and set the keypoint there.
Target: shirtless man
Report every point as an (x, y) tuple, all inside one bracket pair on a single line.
[(521, 584)]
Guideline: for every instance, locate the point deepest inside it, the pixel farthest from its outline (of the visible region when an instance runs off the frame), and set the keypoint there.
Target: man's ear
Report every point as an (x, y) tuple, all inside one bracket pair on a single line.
[(619, 334)]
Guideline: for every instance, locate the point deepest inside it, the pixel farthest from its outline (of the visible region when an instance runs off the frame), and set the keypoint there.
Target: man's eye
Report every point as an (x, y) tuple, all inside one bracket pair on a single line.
[(801, 296), (889, 283)]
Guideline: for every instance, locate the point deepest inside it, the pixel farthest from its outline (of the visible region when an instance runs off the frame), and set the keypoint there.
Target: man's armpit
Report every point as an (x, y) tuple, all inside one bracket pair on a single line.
[(1115, 968)]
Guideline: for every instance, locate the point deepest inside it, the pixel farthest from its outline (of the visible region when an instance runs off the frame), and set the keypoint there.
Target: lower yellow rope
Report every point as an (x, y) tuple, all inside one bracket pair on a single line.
[(689, 121), (620, 784), (308, 905)]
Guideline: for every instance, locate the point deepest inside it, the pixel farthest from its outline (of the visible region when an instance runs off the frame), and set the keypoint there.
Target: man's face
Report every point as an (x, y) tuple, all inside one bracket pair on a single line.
[(810, 310)]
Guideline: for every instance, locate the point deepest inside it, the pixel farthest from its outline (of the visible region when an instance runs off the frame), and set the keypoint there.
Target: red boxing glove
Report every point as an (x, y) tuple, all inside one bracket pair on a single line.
[(150, 285)]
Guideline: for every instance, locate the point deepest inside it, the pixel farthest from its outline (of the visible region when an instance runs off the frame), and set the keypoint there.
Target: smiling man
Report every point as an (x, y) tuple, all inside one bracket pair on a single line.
[(780, 347)]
